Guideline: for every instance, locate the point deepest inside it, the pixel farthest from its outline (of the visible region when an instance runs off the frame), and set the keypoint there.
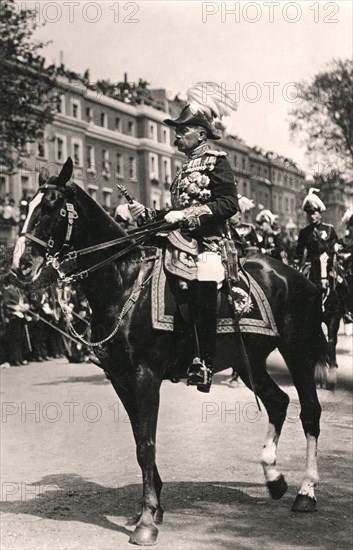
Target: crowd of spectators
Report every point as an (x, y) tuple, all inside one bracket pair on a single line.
[(33, 327)]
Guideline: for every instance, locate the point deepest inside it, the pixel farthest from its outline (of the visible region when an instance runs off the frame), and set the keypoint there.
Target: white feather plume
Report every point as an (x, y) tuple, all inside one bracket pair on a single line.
[(347, 216), (211, 99), (266, 215), (245, 204), (314, 200)]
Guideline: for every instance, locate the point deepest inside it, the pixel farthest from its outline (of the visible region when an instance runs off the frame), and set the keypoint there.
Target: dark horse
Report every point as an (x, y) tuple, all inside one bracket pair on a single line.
[(64, 225)]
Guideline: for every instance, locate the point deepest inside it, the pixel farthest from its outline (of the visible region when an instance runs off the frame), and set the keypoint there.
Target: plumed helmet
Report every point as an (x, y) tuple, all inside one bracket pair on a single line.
[(206, 103), (266, 216), (245, 204), (347, 218), (313, 202)]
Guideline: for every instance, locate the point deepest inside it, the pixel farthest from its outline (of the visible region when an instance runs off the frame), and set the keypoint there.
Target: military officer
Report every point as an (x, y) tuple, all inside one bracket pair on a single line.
[(317, 247), (272, 242), (204, 196)]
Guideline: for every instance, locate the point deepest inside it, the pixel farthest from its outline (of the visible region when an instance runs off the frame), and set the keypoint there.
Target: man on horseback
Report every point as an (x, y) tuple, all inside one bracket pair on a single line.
[(317, 251), (272, 242), (204, 196)]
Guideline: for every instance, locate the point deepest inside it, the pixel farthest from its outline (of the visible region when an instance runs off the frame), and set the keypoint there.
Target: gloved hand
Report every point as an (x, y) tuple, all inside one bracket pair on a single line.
[(174, 216), (136, 209)]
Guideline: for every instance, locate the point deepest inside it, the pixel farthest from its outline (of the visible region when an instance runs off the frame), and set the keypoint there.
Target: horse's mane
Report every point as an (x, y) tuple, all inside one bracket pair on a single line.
[(95, 212)]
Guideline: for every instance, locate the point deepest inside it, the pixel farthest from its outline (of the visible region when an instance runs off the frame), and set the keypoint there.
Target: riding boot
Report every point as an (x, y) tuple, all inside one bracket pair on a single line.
[(204, 308)]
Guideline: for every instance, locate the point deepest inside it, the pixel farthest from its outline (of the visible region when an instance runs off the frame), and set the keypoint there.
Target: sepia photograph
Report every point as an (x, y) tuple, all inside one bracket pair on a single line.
[(176, 274)]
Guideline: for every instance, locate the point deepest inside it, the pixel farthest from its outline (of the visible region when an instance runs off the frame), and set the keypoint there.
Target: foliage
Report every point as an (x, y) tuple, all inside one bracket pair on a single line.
[(27, 99), (324, 116)]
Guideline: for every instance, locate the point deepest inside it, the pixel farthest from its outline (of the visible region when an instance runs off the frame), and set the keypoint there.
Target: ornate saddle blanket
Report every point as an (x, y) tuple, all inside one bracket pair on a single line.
[(257, 317)]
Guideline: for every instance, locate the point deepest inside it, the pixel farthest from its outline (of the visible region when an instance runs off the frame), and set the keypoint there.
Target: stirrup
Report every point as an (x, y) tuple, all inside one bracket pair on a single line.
[(199, 375)]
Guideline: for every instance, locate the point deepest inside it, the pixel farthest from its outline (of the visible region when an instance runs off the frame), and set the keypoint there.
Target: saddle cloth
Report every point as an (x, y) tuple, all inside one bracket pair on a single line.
[(258, 318)]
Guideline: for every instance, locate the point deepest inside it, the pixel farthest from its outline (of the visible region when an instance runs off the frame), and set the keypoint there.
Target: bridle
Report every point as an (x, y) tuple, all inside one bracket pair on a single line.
[(64, 257)]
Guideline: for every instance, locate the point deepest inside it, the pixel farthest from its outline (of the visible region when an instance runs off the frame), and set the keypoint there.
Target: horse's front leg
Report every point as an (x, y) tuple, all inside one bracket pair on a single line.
[(147, 399)]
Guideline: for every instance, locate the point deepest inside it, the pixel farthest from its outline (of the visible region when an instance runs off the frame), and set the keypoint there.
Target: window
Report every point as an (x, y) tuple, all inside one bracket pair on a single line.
[(153, 166), (165, 136), (105, 163), (280, 203), (235, 160), (132, 168), (2, 185), (24, 183), (167, 170), (177, 166), (107, 197), (245, 187), (152, 131), (60, 148), (118, 124), (243, 163), (61, 105), (119, 165), (75, 108), (89, 114), (77, 152), (91, 159), (41, 147), (130, 128), (104, 120), (287, 204)]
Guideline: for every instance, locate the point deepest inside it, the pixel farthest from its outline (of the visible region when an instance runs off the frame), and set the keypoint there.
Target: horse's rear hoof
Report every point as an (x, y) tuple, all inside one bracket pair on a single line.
[(144, 536), (277, 488), (304, 503)]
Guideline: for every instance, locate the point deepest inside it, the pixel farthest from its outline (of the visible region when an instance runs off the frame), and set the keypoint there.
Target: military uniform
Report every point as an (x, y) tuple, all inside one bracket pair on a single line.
[(205, 189), (273, 245), (313, 241)]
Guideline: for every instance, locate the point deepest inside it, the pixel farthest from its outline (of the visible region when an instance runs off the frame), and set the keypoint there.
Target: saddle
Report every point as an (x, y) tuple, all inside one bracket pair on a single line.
[(180, 256)]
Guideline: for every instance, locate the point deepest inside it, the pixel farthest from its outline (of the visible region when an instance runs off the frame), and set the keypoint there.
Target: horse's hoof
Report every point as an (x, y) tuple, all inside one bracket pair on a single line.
[(158, 516), (304, 503), (144, 536), (133, 520), (277, 488)]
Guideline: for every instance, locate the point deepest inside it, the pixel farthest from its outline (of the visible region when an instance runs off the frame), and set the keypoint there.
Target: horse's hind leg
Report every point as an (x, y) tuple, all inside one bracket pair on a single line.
[(302, 370), (276, 402)]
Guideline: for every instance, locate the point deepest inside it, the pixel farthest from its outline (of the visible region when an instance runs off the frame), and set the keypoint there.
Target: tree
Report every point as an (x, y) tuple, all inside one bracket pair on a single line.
[(324, 116), (27, 97)]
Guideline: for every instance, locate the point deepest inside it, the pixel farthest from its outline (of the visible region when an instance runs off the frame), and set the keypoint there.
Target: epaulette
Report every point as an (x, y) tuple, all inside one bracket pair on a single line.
[(215, 153)]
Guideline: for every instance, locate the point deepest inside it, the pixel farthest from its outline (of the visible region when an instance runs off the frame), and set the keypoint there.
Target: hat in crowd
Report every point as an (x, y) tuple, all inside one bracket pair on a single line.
[(312, 201), (266, 216), (206, 103), (347, 218), (245, 204)]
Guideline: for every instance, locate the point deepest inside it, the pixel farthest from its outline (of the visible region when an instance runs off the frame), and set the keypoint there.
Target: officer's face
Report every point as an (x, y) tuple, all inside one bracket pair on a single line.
[(314, 216), (187, 138), (266, 227)]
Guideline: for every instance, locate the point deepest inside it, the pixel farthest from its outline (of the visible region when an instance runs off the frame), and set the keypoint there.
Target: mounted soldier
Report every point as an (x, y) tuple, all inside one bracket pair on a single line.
[(272, 242), (204, 196), (244, 233), (317, 252)]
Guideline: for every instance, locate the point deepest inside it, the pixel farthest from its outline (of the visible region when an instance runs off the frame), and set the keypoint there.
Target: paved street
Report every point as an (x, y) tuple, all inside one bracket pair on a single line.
[(70, 478)]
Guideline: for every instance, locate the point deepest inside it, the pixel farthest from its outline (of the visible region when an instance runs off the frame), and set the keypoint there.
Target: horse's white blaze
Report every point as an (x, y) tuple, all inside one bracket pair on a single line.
[(21, 242), (269, 454), (311, 476), (18, 251)]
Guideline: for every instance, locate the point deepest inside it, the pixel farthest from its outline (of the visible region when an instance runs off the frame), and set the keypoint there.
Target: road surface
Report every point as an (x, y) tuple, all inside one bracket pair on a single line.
[(70, 479)]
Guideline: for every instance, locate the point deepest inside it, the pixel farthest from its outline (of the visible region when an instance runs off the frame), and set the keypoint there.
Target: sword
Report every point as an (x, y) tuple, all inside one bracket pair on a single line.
[(142, 218)]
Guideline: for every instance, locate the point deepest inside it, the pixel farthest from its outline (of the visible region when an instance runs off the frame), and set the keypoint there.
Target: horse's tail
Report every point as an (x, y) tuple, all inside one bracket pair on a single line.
[(325, 372)]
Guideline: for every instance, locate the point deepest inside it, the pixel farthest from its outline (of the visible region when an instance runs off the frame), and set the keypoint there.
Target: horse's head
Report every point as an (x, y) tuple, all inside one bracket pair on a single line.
[(45, 228)]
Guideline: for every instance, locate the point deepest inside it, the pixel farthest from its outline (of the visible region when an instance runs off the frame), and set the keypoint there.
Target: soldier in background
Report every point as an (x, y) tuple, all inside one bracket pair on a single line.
[(243, 233), (317, 249), (272, 241)]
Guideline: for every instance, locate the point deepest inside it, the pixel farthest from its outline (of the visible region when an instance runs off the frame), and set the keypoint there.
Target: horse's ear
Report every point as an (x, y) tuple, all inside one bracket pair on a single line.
[(66, 172), (43, 176)]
